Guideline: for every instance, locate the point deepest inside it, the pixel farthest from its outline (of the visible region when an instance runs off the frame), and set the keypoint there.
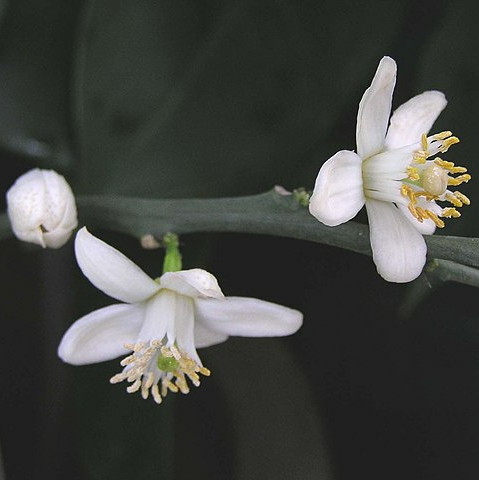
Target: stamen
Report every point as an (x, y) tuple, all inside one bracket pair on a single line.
[(450, 212), (424, 142), (454, 181), (155, 393), (135, 387), (448, 142), (449, 166), (156, 364), (412, 173), (434, 178), (442, 135), (461, 197), (454, 199), (439, 223)]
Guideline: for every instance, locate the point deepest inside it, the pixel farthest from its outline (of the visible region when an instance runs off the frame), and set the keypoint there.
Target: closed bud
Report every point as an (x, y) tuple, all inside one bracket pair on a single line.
[(41, 207)]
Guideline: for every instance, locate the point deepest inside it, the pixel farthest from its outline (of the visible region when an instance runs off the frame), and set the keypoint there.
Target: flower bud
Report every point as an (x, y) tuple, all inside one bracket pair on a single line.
[(41, 208)]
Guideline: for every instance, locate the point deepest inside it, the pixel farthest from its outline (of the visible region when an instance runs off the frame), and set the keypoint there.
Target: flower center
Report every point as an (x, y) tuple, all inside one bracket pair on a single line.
[(428, 181), (409, 178), (158, 368)]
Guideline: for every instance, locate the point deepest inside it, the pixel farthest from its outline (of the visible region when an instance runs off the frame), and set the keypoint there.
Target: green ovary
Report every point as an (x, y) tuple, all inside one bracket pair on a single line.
[(167, 364)]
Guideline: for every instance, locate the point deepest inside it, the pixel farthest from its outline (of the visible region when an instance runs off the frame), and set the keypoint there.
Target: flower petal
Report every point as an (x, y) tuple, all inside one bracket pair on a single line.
[(399, 251), (110, 271), (101, 335), (413, 118), (374, 110), (26, 206), (192, 283), (338, 193), (247, 317), (185, 325), (160, 312), (206, 337)]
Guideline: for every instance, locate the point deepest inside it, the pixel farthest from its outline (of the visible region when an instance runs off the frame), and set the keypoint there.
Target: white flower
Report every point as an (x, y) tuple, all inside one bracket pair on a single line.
[(392, 176), (162, 321), (41, 207)]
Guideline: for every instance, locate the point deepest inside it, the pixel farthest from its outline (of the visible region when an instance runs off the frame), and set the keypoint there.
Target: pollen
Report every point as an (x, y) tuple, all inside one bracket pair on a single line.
[(428, 181), (157, 368)]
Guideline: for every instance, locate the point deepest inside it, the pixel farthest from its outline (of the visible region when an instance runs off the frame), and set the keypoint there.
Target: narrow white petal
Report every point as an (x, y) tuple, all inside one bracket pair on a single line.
[(399, 251), (374, 110), (101, 335), (247, 317), (413, 118), (160, 311), (192, 283), (206, 337), (338, 193), (110, 271), (185, 326)]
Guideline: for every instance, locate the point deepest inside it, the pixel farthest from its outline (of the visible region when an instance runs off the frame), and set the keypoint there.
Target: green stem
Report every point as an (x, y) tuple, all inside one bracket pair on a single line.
[(270, 213), (172, 261)]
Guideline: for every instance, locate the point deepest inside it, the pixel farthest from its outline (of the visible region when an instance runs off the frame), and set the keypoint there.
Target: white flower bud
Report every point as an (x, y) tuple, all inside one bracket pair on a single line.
[(41, 207)]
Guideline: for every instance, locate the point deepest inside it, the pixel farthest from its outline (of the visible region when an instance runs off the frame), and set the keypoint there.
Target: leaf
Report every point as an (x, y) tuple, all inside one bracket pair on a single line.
[(448, 64), (36, 44), (188, 99)]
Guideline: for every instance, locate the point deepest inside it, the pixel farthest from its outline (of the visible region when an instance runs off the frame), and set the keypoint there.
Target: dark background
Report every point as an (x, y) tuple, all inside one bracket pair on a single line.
[(178, 99)]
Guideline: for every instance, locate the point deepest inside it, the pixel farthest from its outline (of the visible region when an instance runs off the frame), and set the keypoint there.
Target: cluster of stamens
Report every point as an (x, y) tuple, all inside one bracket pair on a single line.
[(433, 178), (154, 363)]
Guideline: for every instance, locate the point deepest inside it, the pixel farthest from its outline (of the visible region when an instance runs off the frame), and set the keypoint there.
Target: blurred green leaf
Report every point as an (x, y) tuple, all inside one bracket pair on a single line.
[(35, 58), (189, 99), (435, 274), (449, 63), (121, 436), (278, 433)]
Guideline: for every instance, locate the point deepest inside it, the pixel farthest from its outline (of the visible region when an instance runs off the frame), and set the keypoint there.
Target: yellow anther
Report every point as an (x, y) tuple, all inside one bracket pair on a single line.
[(450, 212), (464, 178), (439, 223), (454, 199), (448, 142), (443, 163), (420, 156), (428, 196), (424, 143), (414, 212), (405, 190), (461, 197), (413, 173), (449, 166), (442, 135)]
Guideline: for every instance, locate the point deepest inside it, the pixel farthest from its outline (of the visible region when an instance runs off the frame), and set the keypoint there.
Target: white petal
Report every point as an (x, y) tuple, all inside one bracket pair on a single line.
[(160, 311), (185, 324), (399, 251), (247, 317), (206, 337), (413, 118), (101, 335), (192, 283), (374, 110), (26, 206), (110, 271), (338, 193)]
